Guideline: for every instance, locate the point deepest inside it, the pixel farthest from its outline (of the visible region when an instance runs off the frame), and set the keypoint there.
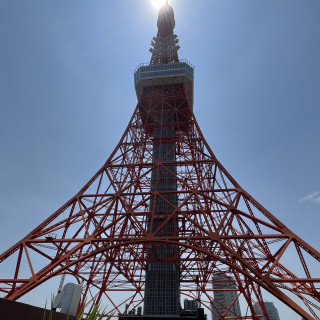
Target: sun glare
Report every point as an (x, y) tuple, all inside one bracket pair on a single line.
[(158, 3)]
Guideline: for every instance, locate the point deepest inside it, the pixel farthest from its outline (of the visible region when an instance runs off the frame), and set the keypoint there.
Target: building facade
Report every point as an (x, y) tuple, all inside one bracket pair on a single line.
[(225, 295), (271, 310)]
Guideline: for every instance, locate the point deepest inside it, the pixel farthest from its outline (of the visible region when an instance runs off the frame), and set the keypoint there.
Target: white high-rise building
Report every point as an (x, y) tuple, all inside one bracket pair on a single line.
[(224, 295), (271, 310)]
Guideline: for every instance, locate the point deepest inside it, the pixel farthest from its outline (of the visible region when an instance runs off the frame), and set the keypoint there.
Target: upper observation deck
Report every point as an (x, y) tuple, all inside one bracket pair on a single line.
[(149, 75)]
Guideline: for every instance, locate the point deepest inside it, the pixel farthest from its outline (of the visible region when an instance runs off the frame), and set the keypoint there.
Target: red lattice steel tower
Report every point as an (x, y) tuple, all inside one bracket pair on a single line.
[(163, 201)]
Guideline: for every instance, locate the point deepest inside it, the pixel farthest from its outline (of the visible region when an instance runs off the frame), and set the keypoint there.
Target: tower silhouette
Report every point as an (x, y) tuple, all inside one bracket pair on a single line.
[(162, 216)]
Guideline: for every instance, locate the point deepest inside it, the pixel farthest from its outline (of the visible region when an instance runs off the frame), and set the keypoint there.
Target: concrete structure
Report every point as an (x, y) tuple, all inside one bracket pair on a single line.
[(13, 310), (271, 310), (225, 297), (190, 304), (68, 299)]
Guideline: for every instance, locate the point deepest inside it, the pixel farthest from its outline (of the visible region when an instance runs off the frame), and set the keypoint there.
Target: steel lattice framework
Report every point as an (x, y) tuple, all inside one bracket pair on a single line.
[(102, 235)]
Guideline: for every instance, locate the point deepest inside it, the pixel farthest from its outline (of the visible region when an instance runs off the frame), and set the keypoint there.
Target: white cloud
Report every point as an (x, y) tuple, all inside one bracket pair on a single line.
[(312, 197)]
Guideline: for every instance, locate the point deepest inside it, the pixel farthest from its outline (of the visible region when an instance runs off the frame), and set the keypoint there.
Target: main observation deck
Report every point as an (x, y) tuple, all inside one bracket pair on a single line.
[(147, 75)]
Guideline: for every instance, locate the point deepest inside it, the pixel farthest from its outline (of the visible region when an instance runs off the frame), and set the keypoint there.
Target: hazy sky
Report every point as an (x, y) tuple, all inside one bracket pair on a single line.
[(66, 96)]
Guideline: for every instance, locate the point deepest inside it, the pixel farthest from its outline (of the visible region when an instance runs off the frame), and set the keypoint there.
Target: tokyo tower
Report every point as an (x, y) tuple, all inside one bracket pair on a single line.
[(163, 218)]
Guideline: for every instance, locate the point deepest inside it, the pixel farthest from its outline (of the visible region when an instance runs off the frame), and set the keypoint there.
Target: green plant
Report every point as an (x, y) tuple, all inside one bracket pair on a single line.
[(95, 312), (50, 311)]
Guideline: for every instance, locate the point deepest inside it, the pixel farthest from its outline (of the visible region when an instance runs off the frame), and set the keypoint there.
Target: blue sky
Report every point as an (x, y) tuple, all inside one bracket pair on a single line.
[(66, 96)]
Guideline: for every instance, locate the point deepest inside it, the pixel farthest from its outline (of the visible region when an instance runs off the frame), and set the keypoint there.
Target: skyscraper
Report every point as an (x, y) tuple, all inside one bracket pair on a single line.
[(225, 295), (271, 310)]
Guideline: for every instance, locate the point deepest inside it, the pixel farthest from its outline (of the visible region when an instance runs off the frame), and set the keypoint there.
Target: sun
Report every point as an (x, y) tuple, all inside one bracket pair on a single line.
[(158, 3)]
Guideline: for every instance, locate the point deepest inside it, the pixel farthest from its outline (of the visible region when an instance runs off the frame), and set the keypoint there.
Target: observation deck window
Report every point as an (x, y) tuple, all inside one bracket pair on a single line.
[(182, 68)]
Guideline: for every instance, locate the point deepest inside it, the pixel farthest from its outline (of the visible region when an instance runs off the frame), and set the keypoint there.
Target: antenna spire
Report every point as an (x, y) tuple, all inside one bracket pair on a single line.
[(165, 45)]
